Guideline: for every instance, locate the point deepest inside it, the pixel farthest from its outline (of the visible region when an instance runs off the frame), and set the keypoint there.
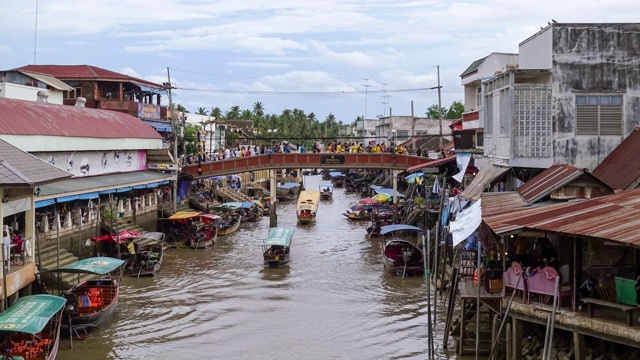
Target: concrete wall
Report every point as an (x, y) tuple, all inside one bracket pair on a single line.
[(593, 58), (30, 93), (536, 51)]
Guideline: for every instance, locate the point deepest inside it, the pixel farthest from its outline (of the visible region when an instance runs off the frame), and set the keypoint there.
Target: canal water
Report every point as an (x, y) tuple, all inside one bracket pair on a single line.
[(334, 300)]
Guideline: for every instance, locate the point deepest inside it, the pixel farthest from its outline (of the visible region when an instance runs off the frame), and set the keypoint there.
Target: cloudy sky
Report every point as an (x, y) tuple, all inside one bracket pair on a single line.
[(345, 57)]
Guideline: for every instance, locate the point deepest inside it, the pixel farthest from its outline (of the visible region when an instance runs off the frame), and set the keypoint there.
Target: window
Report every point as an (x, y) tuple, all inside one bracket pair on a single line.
[(478, 98), (599, 115), (69, 94), (479, 139)]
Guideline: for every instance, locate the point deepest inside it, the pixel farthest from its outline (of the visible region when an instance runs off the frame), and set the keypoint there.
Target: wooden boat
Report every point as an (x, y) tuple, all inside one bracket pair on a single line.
[(30, 328), (337, 178), (149, 254), (287, 191), (276, 248), (184, 225), (229, 224), (91, 302), (307, 206), (368, 212), (403, 258), (326, 190), (248, 210), (374, 230), (206, 232)]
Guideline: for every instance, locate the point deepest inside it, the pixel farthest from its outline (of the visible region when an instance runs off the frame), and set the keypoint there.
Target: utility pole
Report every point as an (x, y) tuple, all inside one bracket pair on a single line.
[(175, 143), (366, 95), (440, 106), (384, 100)]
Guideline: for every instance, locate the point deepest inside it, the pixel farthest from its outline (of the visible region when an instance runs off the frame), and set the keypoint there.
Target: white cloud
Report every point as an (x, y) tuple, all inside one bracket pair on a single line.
[(4, 48)]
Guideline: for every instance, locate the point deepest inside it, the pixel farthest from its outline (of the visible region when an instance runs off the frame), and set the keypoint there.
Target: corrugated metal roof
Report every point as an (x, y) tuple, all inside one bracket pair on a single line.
[(612, 217), (432, 163), (497, 202), (548, 181), (485, 176), (18, 168), (20, 117), (85, 72), (47, 79), (621, 168), (98, 183), (473, 67)]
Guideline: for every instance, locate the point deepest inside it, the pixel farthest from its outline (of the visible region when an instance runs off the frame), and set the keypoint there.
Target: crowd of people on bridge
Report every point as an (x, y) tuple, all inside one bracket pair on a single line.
[(241, 150)]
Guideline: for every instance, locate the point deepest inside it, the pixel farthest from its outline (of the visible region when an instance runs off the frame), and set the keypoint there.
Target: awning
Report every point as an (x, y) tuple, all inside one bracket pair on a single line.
[(67, 198), (485, 176), (48, 79), (89, 196), (159, 125), (43, 203), (140, 187), (124, 189), (147, 88), (100, 185), (431, 164)]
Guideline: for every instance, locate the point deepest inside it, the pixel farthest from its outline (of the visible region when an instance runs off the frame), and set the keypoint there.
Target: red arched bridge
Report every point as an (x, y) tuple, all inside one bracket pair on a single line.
[(312, 161)]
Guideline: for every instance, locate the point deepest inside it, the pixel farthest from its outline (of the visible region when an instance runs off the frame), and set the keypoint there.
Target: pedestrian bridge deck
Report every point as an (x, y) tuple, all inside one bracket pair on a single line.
[(391, 161)]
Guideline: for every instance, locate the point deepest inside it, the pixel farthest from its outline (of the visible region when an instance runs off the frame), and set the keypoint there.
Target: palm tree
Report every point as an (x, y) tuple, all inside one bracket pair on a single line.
[(246, 115), (202, 111), (216, 112), (181, 108), (258, 109), (233, 113)]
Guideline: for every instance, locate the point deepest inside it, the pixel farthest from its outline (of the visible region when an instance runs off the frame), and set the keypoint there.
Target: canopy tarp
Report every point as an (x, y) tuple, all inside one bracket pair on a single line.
[(183, 215), (288, 185), (94, 265), (237, 205), (466, 222), (486, 175), (388, 192), (210, 216), (279, 236), (30, 314), (400, 227), (336, 174)]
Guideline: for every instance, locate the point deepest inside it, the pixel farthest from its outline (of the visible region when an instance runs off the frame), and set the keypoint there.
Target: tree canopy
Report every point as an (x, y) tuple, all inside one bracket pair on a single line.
[(453, 112)]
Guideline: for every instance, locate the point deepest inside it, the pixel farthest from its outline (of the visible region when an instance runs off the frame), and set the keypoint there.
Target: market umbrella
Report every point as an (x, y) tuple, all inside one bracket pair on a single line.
[(413, 179), (368, 201), (381, 197), (413, 176)]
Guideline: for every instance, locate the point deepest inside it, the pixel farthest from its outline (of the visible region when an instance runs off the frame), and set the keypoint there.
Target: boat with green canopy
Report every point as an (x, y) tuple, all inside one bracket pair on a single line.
[(91, 302), (30, 328), (276, 247)]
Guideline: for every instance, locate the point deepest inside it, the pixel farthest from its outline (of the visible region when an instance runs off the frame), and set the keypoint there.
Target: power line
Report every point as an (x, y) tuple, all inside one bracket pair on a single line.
[(354, 92)]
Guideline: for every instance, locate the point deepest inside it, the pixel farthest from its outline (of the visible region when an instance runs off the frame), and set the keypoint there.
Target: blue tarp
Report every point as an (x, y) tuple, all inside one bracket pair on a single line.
[(89, 196), (124, 189), (159, 125), (335, 174), (67, 198), (43, 203), (110, 191), (400, 227), (138, 187), (164, 182), (388, 192), (152, 185)]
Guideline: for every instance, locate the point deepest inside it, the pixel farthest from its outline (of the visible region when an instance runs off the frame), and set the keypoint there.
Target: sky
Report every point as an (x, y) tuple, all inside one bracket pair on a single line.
[(348, 58)]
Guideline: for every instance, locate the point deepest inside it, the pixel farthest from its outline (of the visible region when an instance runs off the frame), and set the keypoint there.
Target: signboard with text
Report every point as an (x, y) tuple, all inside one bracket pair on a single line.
[(332, 159), (148, 111), (91, 163)]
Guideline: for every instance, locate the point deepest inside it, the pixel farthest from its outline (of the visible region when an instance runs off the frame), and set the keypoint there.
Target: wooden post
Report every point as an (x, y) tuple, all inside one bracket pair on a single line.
[(494, 333), (518, 331), (462, 326), (508, 342), (578, 344)]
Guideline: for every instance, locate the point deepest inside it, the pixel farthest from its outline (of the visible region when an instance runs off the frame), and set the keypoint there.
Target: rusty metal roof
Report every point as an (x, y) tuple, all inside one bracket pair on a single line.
[(621, 168), (20, 169), (548, 181), (612, 217), (496, 202), (85, 72), (486, 175), (21, 117)]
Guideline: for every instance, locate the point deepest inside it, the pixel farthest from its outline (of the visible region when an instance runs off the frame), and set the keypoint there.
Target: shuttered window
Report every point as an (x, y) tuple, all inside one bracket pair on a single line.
[(599, 115)]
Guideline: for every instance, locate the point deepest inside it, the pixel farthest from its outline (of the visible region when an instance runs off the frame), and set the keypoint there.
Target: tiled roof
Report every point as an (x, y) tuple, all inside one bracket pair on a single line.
[(18, 168), (621, 168), (85, 72), (21, 117), (473, 67)]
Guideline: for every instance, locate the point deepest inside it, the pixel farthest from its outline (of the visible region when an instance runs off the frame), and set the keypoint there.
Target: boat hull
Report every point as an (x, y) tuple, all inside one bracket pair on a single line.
[(86, 318), (150, 266), (403, 258), (229, 230), (306, 219), (277, 260)]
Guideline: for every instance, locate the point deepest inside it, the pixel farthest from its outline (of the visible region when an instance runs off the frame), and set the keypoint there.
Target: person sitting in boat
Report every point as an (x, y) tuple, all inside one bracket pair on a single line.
[(326, 190), (131, 249), (142, 258)]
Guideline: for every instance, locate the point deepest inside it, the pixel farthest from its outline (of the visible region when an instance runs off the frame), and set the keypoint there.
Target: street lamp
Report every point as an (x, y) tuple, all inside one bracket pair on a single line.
[(272, 131)]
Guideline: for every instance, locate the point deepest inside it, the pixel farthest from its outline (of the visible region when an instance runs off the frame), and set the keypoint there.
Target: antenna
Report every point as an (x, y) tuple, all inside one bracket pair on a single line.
[(35, 36), (366, 93)]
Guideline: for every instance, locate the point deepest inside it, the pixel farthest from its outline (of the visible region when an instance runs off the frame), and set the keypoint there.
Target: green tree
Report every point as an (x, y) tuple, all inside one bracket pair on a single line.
[(181, 108), (233, 113), (201, 111), (216, 112), (455, 110), (246, 115), (258, 110), (432, 112)]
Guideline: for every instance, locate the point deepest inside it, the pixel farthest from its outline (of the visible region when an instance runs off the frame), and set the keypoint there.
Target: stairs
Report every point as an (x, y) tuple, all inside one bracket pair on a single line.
[(467, 336), (231, 195), (49, 261), (127, 224)]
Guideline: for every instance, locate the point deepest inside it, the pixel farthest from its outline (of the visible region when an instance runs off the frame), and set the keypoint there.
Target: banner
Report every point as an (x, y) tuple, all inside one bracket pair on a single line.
[(467, 221), (462, 161), (91, 163)]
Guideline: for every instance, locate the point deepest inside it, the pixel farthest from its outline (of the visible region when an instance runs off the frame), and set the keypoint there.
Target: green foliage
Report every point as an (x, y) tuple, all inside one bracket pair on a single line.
[(108, 213), (181, 108), (455, 110), (201, 111), (432, 112)]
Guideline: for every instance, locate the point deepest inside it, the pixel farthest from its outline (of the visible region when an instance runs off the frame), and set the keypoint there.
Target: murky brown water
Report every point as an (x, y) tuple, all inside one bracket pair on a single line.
[(334, 301)]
